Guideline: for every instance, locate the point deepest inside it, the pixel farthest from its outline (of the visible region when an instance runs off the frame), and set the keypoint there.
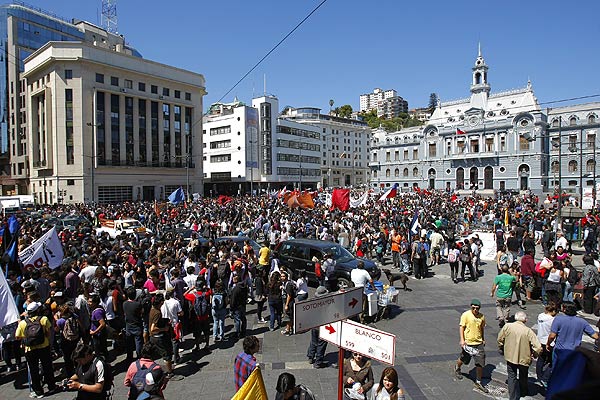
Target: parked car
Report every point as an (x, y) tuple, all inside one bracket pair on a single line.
[(297, 254), (239, 240)]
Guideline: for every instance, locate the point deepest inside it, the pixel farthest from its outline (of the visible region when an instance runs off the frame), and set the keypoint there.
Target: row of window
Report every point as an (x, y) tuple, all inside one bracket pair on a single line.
[(298, 145), (221, 130), (590, 166), (128, 84), (296, 171), (298, 132), (591, 119), (296, 158)]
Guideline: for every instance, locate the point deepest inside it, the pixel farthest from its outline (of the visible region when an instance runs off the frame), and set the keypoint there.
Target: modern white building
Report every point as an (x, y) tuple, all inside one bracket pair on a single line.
[(106, 126), (387, 103)]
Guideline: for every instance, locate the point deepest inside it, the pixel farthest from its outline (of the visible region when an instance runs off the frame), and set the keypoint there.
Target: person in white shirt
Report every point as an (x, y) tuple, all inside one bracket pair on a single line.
[(172, 310), (88, 272), (361, 278), (191, 277), (302, 284), (561, 241), (544, 323)]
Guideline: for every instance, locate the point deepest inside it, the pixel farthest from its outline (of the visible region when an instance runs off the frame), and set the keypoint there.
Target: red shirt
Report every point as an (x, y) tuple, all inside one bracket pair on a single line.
[(191, 297)]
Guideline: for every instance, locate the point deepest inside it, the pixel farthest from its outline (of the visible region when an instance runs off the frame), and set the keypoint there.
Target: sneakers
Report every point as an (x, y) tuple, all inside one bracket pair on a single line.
[(320, 365), (262, 321), (34, 395), (457, 373), (480, 387)]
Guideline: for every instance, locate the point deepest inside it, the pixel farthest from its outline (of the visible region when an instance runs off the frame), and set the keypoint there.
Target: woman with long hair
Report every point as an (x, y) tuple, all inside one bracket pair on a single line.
[(387, 388), (275, 301)]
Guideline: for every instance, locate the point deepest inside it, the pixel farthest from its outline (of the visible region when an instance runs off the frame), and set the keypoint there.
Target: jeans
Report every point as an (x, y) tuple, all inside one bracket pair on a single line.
[(239, 321), (454, 270), (419, 268), (219, 322), (67, 347), (133, 340), (33, 358), (396, 259), (275, 309), (503, 308), (542, 365), (568, 292), (316, 348), (471, 270), (514, 392)]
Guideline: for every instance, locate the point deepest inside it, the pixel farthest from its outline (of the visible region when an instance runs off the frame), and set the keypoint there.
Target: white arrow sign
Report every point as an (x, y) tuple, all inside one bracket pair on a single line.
[(372, 343), (325, 309)]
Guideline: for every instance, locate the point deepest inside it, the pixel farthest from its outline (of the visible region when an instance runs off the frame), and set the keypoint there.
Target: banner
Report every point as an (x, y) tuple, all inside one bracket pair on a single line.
[(253, 388), (8, 313), (361, 201), (48, 249)]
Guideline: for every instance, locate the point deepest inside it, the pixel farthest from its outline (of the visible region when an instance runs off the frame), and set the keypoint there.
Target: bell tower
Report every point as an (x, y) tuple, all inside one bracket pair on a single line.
[(480, 88)]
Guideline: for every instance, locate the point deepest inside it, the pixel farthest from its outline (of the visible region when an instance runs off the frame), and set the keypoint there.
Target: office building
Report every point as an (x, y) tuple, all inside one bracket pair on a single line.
[(387, 103), (104, 125)]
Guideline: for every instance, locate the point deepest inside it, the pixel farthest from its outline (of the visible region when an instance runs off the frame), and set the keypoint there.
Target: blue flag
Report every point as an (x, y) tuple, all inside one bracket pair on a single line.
[(177, 196)]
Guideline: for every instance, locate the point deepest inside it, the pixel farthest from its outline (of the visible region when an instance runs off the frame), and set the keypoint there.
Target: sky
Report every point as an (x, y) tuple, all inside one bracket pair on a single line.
[(349, 47)]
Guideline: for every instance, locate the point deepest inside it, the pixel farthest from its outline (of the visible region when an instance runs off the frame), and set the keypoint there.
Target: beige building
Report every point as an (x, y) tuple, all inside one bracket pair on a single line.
[(106, 126)]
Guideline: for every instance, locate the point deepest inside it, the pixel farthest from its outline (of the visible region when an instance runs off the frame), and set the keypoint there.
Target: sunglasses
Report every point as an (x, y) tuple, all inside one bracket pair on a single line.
[(475, 307)]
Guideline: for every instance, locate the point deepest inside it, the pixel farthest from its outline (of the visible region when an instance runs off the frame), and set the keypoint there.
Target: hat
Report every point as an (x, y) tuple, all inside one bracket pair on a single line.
[(154, 380), (321, 290), (476, 302), (32, 307)]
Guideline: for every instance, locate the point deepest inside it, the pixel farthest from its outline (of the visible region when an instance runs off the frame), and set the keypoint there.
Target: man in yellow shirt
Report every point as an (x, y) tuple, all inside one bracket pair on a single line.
[(34, 330), (472, 342), (264, 254)]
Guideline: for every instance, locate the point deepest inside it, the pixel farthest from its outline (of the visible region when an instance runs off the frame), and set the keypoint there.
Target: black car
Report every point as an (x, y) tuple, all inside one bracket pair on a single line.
[(297, 254)]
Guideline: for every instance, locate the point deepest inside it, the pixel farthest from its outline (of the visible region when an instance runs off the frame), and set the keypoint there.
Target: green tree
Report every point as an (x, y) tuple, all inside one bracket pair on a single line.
[(433, 101), (345, 111)]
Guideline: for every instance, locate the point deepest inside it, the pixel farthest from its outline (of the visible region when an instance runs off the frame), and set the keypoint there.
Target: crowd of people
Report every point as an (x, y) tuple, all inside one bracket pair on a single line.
[(141, 294)]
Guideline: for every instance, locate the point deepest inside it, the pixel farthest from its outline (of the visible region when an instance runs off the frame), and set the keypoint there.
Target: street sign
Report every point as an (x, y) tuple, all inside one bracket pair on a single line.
[(372, 343), (326, 309)]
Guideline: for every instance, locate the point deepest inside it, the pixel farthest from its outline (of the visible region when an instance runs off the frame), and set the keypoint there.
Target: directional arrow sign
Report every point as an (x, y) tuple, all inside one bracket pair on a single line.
[(331, 332), (326, 309), (372, 343)]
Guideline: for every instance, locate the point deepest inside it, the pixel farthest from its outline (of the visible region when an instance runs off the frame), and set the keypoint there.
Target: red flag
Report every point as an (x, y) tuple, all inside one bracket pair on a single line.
[(454, 197), (459, 132), (340, 199)]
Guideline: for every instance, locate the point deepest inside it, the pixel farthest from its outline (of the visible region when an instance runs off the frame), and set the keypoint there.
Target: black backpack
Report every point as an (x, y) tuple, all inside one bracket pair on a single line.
[(573, 277), (222, 270), (201, 307), (109, 377), (139, 379), (465, 253), (34, 332)]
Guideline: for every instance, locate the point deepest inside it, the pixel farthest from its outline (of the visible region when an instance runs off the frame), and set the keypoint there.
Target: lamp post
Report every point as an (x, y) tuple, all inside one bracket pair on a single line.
[(93, 157)]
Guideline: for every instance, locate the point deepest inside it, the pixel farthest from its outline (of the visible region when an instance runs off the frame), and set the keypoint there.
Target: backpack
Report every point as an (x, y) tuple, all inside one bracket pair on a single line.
[(222, 270), (421, 249), (139, 379), (452, 256), (573, 277), (71, 331), (330, 270), (218, 301), (34, 332), (538, 268), (465, 254), (201, 305)]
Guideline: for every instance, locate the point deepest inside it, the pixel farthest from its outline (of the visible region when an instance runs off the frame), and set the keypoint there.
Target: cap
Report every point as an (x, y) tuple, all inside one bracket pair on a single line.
[(321, 290), (476, 302), (154, 380), (32, 307)]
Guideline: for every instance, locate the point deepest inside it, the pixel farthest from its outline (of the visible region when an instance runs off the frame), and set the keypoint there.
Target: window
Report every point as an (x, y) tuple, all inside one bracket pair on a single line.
[(387, 173), (396, 173), (572, 121), (590, 166), (166, 92), (502, 143), (114, 81), (220, 158), (70, 182), (128, 84), (188, 96), (141, 86), (592, 119), (572, 166), (100, 78), (387, 156), (154, 89), (374, 156), (405, 172), (448, 148), (70, 153), (460, 147), (432, 150), (178, 94), (68, 74), (222, 144), (415, 154), (489, 144), (415, 172), (523, 143), (554, 167), (555, 123), (405, 155), (591, 141), (397, 155), (220, 130)]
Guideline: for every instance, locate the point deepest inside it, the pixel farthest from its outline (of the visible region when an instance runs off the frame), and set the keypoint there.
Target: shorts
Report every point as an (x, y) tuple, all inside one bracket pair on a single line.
[(479, 357), (529, 283), (164, 346)]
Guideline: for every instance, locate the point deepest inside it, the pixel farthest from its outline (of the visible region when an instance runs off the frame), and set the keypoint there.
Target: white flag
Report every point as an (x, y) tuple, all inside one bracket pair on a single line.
[(8, 313), (361, 201), (48, 249)]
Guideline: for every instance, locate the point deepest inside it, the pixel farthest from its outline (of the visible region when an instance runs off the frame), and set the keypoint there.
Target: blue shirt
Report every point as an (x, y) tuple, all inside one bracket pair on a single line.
[(569, 329)]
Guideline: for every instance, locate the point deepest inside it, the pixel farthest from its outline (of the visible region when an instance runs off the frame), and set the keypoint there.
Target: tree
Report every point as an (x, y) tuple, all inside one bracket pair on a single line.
[(433, 101), (345, 111), (331, 103)]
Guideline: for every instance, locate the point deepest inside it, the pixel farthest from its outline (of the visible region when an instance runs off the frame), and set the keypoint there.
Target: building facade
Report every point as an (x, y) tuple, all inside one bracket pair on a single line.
[(387, 103), (23, 30), (107, 126)]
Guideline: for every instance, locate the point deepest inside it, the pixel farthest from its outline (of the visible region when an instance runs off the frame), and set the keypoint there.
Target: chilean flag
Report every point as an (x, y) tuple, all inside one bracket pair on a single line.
[(459, 132), (391, 192)]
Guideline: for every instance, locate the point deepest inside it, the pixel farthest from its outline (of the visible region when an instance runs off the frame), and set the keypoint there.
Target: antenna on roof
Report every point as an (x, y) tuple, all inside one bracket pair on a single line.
[(109, 15)]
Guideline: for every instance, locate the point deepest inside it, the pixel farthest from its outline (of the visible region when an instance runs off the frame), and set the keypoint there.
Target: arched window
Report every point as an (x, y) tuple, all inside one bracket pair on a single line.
[(374, 173), (555, 123), (590, 167), (396, 173), (572, 166), (592, 119), (415, 171), (387, 173), (477, 78), (405, 172), (554, 167), (572, 121)]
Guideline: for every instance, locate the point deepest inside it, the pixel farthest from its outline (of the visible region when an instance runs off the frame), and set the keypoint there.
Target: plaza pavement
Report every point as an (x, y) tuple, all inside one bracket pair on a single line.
[(425, 323)]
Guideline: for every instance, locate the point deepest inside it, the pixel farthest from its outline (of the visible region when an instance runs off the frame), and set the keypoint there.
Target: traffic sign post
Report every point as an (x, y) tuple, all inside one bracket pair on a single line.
[(326, 309), (349, 335)]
